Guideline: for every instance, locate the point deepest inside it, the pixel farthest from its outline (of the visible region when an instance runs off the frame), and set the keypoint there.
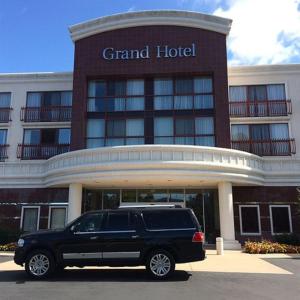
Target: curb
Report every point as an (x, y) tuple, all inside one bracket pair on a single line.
[(6, 253)]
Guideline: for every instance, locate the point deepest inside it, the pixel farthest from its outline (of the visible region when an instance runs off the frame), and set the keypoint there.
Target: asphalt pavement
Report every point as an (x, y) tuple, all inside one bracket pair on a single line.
[(134, 284)]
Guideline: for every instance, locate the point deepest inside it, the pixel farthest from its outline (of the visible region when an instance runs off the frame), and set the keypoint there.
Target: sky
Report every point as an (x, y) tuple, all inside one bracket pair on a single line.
[(34, 34)]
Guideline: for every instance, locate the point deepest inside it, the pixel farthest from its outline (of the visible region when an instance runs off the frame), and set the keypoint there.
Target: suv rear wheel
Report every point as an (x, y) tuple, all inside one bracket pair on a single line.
[(39, 264), (160, 264)]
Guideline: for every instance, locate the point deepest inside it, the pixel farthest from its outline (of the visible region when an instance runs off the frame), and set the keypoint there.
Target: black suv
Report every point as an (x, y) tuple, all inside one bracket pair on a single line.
[(155, 237)]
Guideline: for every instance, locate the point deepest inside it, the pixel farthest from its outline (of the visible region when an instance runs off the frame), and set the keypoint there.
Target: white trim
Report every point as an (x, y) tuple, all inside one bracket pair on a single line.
[(50, 213), (124, 254), (88, 255), (22, 215), (148, 18), (271, 219), (241, 221)]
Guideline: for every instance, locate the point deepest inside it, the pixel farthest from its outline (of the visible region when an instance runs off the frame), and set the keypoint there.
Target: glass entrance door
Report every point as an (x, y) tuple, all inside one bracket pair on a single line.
[(205, 206), (203, 202)]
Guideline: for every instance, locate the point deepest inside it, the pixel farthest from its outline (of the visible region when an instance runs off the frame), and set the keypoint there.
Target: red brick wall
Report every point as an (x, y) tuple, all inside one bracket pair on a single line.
[(12, 200), (210, 59), (265, 196)]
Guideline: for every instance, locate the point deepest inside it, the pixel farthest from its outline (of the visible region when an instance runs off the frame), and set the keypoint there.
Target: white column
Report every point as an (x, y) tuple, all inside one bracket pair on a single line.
[(75, 200), (227, 216)]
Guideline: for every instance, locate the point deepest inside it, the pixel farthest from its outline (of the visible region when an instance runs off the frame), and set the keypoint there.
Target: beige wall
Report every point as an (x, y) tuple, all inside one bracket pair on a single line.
[(19, 85), (287, 74)]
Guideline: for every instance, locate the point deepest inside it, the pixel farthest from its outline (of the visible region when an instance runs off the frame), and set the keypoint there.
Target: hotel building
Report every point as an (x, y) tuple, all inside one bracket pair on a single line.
[(152, 114)]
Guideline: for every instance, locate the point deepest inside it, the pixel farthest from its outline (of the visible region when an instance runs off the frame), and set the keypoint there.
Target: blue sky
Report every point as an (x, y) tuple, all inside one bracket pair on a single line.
[(34, 33)]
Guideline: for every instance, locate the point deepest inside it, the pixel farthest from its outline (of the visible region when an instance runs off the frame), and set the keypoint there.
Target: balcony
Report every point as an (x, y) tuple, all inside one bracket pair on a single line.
[(5, 114), (3, 152), (46, 114), (273, 108), (283, 147), (26, 152)]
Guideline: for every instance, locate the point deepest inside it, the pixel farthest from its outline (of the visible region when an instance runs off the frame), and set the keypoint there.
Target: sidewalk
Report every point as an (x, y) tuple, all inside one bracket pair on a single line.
[(230, 262)]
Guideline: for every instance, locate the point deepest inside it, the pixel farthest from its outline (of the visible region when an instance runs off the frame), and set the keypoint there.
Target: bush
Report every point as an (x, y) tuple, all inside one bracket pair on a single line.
[(9, 236), (289, 239), (264, 247), (8, 247)]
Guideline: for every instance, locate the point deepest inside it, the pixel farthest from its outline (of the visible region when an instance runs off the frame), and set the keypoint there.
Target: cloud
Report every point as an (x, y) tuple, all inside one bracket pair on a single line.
[(22, 12), (263, 31), (131, 9)]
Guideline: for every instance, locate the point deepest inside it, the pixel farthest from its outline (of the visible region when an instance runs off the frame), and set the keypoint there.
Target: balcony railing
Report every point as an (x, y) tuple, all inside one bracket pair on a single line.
[(46, 114), (26, 151), (5, 114), (3, 152), (282, 147), (272, 108)]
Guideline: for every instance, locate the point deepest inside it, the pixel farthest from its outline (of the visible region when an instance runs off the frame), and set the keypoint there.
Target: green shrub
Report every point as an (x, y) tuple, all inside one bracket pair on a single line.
[(264, 247), (289, 239), (8, 247), (9, 236)]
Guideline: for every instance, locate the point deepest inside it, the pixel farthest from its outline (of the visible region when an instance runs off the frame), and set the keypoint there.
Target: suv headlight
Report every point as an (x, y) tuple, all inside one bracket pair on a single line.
[(21, 242)]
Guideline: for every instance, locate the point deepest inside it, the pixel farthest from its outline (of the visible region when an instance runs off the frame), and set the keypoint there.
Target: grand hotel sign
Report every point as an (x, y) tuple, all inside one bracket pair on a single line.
[(160, 51)]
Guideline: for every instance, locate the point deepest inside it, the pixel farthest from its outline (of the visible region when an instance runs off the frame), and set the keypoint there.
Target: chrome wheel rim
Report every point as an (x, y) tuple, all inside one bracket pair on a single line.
[(160, 265), (39, 264)]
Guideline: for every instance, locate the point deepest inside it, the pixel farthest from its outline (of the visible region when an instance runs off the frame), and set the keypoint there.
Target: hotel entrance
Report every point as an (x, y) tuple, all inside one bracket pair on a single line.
[(203, 202)]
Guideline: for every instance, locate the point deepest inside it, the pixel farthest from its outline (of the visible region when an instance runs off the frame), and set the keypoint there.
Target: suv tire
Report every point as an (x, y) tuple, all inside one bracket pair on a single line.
[(160, 264), (39, 264)]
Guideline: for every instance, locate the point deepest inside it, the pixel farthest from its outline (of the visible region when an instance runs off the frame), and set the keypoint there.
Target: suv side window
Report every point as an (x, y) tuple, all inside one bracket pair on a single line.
[(168, 219), (119, 221), (89, 223)]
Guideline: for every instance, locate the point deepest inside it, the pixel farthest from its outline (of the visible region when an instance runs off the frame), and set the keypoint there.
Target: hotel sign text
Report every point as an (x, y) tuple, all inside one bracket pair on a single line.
[(164, 51)]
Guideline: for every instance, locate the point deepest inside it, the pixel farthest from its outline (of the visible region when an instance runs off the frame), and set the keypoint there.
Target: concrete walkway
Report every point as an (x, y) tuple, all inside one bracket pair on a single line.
[(230, 262)]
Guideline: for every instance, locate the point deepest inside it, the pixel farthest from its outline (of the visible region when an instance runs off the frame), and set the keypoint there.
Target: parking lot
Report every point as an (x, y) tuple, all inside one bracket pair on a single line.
[(232, 276)]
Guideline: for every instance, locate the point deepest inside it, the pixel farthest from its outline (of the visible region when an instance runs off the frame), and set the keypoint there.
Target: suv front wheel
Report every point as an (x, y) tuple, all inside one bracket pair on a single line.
[(160, 264), (39, 264)]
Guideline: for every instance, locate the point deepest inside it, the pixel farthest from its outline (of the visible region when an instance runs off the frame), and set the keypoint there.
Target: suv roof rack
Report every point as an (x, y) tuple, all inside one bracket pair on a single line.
[(151, 206)]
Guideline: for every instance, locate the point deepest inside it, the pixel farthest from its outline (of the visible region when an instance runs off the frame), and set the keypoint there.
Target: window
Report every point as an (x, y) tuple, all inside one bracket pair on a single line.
[(47, 136), (95, 133), (30, 218), (152, 196), (163, 130), (48, 99), (64, 136), (184, 131), (262, 139), (3, 136), (240, 132), (269, 92), (119, 95), (129, 196), (117, 132), (119, 221), (157, 220), (89, 223), (281, 221), (250, 220), (5, 100), (32, 136), (183, 93), (204, 129), (111, 199), (57, 217)]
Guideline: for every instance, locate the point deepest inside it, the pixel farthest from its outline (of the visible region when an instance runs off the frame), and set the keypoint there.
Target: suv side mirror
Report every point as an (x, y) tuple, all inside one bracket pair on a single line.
[(75, 228)]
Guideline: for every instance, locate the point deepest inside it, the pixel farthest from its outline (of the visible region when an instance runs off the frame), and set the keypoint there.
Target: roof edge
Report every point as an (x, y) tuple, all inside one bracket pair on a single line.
[(151, 17), (263, 69)]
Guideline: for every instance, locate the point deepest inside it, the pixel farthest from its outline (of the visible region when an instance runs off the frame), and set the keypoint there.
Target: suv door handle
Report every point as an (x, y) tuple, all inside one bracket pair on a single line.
[(135, 236), (93, 238)]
